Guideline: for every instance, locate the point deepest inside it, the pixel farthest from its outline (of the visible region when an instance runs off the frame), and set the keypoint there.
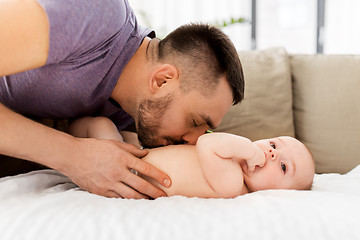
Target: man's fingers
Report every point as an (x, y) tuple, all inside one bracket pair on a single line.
[(132, 149), (112, 194), (145, 187), (148, 170), (127, 192)]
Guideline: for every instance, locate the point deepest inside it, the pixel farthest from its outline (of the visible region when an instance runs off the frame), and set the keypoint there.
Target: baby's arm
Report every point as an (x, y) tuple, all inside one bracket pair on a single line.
[(220, 155), (102, 128), (95, 127)]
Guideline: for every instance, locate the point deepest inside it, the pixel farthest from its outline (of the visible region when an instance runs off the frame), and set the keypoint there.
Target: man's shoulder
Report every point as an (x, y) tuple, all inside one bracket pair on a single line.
[(98, 12)]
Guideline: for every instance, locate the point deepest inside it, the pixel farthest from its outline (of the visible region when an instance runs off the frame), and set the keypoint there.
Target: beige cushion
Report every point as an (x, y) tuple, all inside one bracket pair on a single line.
[(266, 110), (327, 109)]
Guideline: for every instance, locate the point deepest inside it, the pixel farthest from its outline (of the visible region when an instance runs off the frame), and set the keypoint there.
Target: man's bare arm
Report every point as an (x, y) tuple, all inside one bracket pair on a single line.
[(24, 45), (98, 166), (24, 36)]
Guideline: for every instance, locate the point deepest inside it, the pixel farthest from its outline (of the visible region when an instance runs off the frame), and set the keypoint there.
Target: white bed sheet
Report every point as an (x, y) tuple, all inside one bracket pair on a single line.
[(46, 205)]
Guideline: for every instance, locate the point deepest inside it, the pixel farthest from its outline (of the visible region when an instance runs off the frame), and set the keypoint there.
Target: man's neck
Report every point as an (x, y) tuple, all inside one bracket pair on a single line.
[(132, 80)]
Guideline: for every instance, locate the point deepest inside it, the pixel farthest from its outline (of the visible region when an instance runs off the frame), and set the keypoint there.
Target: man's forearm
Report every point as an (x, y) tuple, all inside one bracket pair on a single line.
[(23, 138), (98, 166)]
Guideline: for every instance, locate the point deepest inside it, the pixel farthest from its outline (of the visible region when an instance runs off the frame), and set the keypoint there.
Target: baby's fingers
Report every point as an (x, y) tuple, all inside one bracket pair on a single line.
[(251, 168), (262, 162)]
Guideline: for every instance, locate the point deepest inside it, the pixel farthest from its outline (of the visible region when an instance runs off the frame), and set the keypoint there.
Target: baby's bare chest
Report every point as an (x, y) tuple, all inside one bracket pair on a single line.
[(181, 163)]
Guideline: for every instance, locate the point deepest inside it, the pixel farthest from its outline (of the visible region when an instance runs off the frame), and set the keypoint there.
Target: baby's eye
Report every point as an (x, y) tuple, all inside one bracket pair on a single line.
[(283, 167), (273, 145)]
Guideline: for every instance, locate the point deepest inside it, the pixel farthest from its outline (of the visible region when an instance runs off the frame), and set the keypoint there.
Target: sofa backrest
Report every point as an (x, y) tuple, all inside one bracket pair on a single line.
[(311, 97), (327, 109), (266, 110)]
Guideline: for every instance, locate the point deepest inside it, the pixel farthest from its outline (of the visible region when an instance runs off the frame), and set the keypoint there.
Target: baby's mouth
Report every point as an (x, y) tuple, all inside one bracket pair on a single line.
[(246, 171), (256, 168)]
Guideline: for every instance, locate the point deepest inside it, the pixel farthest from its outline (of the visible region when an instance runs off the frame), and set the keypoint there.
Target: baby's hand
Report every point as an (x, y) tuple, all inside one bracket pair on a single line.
[(258, 159)]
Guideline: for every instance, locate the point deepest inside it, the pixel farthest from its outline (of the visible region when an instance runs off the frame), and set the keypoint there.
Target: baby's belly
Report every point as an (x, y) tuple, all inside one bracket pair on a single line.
[(180, 162)]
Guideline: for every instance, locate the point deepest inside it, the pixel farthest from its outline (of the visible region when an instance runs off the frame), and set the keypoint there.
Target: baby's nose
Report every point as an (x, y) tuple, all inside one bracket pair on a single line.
[(271, 154)]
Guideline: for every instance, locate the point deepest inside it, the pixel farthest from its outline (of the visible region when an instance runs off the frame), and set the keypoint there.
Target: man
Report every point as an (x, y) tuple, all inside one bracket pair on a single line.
[(68, 59)]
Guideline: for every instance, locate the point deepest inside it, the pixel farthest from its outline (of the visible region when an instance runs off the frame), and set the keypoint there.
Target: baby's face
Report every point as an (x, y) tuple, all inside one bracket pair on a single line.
[(289, 165)]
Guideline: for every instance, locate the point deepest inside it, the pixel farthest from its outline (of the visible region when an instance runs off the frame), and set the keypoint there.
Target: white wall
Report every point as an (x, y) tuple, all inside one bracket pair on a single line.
[(166, 15), (287, 23), (342, 32)]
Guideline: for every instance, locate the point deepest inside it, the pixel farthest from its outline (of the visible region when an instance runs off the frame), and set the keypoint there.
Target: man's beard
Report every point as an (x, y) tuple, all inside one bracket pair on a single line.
[(150, 114)]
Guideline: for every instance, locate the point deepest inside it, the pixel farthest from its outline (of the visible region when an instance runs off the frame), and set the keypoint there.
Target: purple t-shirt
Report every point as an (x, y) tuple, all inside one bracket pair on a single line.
[(91, 41)]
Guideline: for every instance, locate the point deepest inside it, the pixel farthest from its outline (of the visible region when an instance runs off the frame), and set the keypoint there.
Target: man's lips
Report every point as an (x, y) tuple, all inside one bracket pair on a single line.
[(168, 142)]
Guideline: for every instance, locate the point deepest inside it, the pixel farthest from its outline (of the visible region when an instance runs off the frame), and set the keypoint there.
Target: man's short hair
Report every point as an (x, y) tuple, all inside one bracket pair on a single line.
[(203, 54)]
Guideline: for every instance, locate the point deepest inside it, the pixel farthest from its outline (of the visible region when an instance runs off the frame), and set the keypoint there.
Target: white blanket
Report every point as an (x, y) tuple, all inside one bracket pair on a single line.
[(46, 205)]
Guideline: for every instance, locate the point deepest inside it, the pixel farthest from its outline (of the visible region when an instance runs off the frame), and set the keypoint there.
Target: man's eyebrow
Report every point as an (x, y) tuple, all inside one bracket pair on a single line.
[(208, 121)]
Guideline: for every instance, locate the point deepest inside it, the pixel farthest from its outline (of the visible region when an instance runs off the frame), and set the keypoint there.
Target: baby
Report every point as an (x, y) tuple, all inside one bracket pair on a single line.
[(220, 165)]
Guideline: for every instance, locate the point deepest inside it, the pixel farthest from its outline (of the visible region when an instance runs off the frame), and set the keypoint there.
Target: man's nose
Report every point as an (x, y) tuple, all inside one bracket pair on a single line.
[(192, 136), (271, 154)]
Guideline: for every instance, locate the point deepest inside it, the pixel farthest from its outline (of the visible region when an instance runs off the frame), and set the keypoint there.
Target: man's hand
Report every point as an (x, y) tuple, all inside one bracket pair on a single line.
[(103, 167)]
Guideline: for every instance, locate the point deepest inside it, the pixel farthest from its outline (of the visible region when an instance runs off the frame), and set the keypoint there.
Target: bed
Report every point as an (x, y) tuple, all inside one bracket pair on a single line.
[(316, 101), (47, 205)]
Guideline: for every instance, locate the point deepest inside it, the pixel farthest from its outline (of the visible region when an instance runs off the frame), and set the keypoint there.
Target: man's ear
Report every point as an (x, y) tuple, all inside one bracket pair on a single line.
[(164, 75)]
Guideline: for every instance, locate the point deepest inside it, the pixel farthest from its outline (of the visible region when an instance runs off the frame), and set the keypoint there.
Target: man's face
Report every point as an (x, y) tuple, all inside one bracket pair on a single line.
[(289, 165), (180, 117)]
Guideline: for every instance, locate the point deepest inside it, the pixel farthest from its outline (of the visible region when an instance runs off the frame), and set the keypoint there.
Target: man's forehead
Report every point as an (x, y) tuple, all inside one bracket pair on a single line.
[(211, 110)]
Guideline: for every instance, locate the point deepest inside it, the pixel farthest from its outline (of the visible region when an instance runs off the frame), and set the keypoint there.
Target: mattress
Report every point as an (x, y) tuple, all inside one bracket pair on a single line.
[(47, 205)]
